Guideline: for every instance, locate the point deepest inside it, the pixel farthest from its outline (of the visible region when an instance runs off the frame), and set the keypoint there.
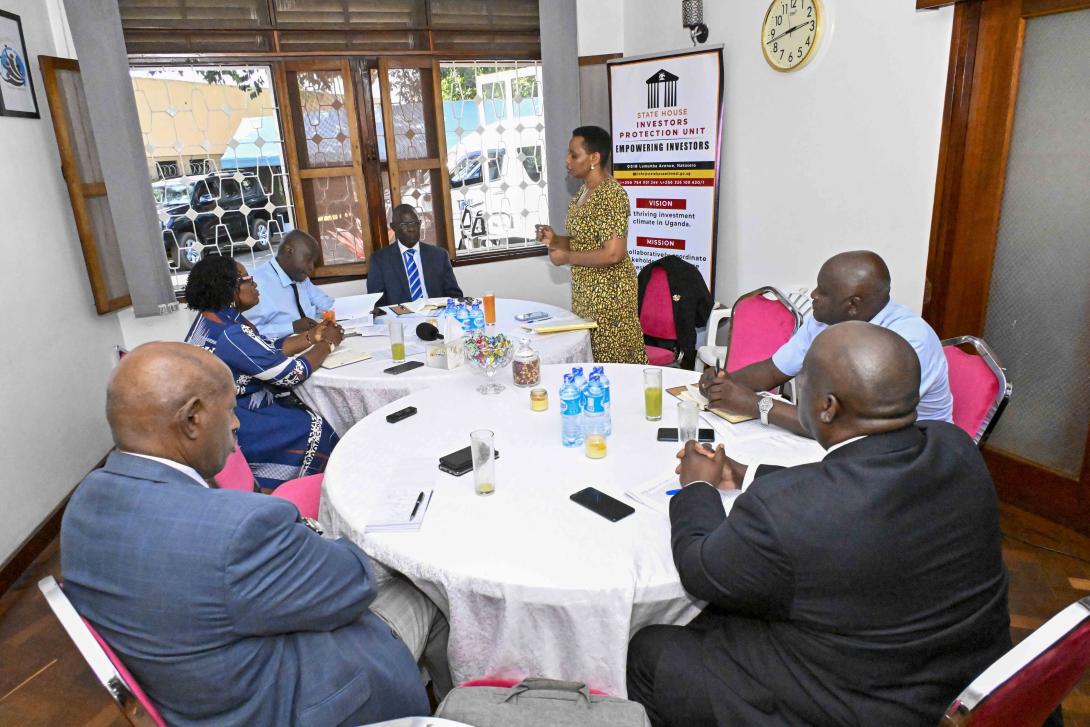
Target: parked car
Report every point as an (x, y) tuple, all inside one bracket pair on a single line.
[(188, 216), (490, 190)]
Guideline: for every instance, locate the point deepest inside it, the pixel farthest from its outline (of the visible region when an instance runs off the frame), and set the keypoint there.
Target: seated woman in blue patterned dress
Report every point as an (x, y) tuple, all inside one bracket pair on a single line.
[(281, 438)]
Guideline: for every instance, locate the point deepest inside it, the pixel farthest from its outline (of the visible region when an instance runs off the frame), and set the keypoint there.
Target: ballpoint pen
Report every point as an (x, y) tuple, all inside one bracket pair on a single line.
[(419, 499)]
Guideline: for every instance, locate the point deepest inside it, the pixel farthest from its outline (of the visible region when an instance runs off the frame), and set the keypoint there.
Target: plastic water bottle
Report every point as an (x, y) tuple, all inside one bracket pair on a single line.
[(447, 313), (477, 316), (580, 382), (461, 314), (571, 413), (594, 420), (599, 373)]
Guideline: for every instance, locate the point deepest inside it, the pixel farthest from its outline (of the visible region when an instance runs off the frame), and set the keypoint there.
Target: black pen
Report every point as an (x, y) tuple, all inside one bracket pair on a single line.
[(717, 367), (419, 499)]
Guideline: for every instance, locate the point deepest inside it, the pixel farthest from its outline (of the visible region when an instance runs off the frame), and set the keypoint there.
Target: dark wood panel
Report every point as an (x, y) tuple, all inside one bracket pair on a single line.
[(955, 125), (1033, 8), (1027, 485)]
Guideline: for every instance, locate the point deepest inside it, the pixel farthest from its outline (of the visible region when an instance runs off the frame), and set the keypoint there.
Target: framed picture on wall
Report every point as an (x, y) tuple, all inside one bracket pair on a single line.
[(16, 89)]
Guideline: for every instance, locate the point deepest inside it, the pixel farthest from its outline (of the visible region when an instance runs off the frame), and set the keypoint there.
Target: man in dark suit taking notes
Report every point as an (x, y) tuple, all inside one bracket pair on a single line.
[(226, 608), (408, 269), (864, 589)]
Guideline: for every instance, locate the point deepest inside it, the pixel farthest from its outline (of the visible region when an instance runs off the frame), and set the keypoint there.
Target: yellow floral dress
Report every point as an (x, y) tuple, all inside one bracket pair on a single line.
[(606, 295)]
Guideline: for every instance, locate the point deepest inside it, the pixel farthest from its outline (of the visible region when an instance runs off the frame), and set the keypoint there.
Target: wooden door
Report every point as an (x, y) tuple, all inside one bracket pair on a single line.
[(1010, 247)]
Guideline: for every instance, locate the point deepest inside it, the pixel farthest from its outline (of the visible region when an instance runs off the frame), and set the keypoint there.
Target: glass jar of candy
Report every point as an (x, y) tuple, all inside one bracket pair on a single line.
[(526, 365)]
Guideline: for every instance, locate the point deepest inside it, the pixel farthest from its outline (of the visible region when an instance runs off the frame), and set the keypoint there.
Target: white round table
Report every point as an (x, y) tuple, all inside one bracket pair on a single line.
[(532, 583), (345, 395)]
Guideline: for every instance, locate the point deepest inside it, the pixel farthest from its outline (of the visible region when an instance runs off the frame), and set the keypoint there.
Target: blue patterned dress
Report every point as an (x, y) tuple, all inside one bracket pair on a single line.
[(280, 437)]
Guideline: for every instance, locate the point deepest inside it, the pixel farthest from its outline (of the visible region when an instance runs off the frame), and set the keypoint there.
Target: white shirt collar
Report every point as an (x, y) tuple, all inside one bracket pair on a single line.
[(846, 442), (184, 469), (415, 249)]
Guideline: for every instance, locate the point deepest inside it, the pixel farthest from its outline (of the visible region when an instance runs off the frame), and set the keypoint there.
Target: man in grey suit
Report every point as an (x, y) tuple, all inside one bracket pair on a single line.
[(226, 607)]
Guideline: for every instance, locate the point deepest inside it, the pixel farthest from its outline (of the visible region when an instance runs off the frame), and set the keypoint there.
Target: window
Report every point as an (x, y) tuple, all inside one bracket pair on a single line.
[(495, 133), (220, 125)]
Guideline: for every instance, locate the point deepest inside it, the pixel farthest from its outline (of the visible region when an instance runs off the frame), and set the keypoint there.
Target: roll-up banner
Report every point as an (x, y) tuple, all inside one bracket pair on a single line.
[(667, 112)]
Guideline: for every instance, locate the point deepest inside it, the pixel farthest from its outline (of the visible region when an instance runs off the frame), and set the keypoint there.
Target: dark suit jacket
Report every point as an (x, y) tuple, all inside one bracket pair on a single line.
[(693, 304), (866, 589), (226, 608), (386, 274)]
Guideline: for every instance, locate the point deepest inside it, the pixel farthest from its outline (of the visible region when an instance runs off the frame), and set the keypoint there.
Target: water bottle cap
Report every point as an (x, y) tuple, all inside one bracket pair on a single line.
[(577, 370)]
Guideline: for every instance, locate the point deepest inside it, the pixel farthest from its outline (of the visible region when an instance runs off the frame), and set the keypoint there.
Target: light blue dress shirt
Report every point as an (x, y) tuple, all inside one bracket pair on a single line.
[(936, 402), (415, 251), (276, 312)]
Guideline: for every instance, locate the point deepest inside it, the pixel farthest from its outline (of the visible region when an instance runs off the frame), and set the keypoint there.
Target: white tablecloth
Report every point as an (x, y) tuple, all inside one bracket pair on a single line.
[(347, 394), (532, 583)]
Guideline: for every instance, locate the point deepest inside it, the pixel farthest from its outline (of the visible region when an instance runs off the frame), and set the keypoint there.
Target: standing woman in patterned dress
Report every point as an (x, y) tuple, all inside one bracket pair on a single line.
[(603, 279), (281, 438)]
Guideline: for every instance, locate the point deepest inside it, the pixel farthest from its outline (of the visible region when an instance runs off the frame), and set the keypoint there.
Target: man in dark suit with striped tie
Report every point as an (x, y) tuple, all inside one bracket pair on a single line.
[(409, 270)]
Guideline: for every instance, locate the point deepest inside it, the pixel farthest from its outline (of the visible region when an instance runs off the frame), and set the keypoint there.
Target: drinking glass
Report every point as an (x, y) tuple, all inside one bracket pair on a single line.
[(490, 308), (397, 341), (652, 394), (688, 420), (481, 445)]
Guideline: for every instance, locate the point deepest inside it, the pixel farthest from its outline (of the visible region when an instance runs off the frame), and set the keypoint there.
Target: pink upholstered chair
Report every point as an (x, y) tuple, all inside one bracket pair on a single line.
[(1027, 683), (304, 492), (979, 385), (657, 319), (107, 667), (760, 322)]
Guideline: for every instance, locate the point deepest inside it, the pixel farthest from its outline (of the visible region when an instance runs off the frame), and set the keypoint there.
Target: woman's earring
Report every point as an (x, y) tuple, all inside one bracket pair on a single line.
[(592, 167)]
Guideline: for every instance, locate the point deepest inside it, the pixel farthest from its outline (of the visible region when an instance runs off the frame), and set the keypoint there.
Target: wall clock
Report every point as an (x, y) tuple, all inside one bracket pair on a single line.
[(791, 32)]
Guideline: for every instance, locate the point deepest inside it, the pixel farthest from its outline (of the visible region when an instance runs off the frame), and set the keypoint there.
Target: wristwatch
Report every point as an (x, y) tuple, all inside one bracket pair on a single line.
[(764, 406)]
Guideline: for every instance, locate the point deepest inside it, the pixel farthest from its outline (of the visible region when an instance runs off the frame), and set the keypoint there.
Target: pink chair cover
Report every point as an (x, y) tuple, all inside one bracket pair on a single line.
[(1029, 696), (659, 356), (236, 474), (657, 311), (304, 492), (758, 328), (974, 388), (137, 692)]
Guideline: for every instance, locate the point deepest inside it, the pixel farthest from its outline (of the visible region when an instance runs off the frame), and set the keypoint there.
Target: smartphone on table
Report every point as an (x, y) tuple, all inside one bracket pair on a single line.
[(402, 368), (669, 434), (459, 462), (602, 504)]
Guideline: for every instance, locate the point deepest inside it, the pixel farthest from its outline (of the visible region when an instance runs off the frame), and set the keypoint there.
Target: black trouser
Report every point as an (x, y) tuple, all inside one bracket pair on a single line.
[(666, 676)]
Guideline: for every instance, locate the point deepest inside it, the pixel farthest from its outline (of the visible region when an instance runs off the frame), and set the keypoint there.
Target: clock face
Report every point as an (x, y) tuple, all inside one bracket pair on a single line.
[(790, 34)]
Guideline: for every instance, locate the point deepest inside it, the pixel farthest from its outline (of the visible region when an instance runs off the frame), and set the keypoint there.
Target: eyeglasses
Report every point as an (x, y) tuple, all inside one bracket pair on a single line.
[(407, 223), (239, 282)]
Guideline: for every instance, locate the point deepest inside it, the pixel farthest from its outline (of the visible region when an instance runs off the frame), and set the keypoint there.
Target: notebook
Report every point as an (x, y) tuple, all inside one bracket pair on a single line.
[(401, 507), (692, 393), (652, 494), (560, 326), (343, 358)]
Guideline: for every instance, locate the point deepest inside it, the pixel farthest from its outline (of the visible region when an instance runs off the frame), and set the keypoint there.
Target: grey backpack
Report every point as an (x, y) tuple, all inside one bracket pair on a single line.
[(540, 703)]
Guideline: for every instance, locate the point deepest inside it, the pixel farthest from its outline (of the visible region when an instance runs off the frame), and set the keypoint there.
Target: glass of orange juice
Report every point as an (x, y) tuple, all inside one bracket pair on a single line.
[(490, 308)]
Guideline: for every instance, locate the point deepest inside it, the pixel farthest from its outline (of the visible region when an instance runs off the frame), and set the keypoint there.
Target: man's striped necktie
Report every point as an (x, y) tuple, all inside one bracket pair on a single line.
[(415, 288)]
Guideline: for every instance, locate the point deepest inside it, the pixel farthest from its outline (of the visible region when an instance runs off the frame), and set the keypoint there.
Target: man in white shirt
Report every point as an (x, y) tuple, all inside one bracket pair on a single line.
[(850, 286), (290, 302), (409, 270)]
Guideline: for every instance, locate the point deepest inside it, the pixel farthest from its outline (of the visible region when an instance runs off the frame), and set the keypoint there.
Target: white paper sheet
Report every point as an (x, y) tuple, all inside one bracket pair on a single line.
[(350, 307)]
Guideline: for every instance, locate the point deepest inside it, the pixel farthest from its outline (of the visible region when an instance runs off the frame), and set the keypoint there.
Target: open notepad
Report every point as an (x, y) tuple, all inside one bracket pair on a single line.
[(692, 393), (395, 510), (652, 494), (343, 358)]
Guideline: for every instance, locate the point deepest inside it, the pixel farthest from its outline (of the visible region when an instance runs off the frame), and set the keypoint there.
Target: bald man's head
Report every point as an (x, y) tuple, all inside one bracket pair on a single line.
[(298, 255), (176, 401), (851, 286), (858, 379)]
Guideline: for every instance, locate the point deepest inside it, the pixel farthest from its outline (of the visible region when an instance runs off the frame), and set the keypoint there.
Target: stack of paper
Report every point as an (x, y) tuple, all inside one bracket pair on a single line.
[(401, 507), (560, 325), (653, 494), (352, 307)]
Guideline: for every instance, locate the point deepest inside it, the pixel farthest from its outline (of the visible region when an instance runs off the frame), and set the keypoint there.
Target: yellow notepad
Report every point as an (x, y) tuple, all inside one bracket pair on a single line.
[(686, 393), (560, 326)]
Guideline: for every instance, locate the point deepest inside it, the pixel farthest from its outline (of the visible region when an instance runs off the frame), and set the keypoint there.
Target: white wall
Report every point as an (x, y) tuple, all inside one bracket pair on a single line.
[(840, 155), (57, 352), (601, 26)]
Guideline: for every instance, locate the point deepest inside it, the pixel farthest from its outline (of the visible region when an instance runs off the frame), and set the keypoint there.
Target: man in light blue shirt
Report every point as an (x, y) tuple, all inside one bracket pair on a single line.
[(290, 302), (850, 286)]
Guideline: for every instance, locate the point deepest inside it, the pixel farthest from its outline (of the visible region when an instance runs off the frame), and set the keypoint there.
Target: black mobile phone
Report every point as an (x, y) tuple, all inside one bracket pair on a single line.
[(669, 434), (460, 462), (602, 504), (401, 414), (403, 367)]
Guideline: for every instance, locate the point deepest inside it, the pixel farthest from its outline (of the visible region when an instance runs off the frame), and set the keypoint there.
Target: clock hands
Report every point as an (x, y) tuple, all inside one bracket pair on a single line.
[(787, 32)]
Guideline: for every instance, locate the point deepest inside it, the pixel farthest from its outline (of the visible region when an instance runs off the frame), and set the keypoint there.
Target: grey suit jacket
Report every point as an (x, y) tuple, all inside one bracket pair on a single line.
[(226, 608)]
